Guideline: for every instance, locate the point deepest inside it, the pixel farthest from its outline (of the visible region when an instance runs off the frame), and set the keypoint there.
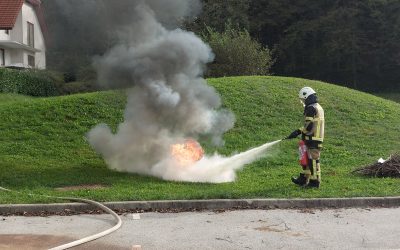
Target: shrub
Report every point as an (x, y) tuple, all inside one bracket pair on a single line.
[(237, 53), (78, 87), (87, 74), (84, 82), (29, 82), (69, 76)]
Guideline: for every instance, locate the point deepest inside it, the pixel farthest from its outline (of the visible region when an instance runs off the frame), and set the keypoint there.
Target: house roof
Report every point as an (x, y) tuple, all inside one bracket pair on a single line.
[(9, 10)]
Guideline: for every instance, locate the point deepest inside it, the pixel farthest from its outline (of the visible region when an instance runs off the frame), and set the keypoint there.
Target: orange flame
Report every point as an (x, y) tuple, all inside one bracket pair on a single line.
[(187, 152)]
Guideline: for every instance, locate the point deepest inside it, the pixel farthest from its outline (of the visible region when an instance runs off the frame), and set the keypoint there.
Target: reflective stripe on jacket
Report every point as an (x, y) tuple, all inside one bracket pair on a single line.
[(314, 126)]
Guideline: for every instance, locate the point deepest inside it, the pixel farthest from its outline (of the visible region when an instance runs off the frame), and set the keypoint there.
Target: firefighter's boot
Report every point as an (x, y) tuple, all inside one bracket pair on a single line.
[(301, 180), (313, 184)]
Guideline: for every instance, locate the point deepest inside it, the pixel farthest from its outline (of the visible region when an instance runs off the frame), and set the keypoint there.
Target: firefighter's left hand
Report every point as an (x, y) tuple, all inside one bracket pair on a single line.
[(294, 134)]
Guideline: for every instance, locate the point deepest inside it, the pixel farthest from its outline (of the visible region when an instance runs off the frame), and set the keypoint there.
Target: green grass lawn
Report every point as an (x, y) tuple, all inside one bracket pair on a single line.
[(394, 96), (43, 144), (9, 98)]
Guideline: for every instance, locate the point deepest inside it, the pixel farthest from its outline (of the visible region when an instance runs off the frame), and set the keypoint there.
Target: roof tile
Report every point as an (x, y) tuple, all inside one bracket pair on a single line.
[(9, 10)]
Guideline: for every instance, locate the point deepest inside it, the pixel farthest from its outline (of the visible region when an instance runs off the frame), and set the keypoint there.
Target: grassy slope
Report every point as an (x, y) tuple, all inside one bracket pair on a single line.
[(43, 145), (394, 96), (9, 98)]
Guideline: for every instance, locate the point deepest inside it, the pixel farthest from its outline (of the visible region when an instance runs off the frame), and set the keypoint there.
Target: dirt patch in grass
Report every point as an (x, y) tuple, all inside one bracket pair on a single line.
[(80, 187)]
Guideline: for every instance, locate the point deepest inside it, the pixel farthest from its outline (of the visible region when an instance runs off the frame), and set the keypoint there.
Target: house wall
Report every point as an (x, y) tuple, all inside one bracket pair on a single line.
[(4, 36), (7, 57), (16, 56), (16, 32), (19, 34), (7, 53), (29, 15), (13, 56)]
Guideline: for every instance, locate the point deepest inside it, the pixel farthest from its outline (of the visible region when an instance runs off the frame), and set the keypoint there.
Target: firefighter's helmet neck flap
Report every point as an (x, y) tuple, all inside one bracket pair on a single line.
[(307, 96)]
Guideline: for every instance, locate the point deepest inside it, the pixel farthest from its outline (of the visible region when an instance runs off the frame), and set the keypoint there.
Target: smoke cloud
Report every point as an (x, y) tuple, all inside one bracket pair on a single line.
[(160, 67)]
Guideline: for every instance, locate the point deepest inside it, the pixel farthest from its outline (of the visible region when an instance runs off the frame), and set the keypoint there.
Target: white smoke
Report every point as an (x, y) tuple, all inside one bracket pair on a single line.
[(167, 98)]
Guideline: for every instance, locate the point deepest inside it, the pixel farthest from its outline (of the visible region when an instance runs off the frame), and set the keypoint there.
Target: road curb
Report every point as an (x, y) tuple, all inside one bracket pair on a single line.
[(190, 205)]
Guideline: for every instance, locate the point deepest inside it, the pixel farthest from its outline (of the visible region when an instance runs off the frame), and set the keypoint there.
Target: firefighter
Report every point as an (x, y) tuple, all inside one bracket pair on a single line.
[(313, 135)]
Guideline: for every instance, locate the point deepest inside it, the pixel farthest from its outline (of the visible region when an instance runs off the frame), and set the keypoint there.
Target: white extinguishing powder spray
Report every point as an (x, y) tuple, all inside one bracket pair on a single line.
[(215, 169)]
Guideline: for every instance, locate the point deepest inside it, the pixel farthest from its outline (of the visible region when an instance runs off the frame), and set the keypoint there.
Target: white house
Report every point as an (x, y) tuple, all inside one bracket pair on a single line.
[(22, 34)]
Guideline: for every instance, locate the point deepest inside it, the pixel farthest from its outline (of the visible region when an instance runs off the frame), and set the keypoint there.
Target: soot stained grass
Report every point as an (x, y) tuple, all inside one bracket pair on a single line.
[(43, 144)]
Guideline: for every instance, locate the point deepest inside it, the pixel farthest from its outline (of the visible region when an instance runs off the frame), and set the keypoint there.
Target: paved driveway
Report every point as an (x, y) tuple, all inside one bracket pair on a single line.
[(245, 229)]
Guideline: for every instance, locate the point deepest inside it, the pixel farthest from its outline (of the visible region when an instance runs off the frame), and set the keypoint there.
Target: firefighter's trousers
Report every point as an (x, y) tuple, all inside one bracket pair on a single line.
[(313, 170)]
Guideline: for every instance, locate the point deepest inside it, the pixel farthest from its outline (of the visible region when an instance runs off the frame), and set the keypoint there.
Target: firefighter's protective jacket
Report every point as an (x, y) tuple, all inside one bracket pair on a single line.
[(314, 122)]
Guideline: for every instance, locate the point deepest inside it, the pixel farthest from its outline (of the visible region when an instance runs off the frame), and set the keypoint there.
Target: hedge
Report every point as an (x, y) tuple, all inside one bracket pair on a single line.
[(29, 82)]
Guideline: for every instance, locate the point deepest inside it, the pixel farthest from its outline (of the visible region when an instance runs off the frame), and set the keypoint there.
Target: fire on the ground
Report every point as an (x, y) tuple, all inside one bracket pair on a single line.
[(187, 152)]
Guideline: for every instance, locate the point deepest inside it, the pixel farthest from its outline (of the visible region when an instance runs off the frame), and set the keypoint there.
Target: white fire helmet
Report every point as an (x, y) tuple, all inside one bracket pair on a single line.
[(305, 93)]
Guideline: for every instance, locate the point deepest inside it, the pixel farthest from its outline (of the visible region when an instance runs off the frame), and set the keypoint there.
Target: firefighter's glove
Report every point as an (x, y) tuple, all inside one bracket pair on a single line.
[(294, 134)]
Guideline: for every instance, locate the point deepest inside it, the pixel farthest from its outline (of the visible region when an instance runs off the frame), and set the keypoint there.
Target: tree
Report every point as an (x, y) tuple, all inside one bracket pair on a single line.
[(216, 13), (352, 43), (236, 53)]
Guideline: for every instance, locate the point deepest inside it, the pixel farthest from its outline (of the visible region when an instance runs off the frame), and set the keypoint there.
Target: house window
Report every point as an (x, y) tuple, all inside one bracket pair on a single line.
[(31, 35), (2, 57), (31, 61)]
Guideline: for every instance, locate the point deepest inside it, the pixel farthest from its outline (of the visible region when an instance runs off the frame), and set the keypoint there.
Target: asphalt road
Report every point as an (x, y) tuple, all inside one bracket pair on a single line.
[(245, 229)]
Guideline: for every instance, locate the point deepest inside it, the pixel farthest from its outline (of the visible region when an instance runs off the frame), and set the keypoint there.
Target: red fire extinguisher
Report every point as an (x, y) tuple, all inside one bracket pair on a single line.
[(303, 157)]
